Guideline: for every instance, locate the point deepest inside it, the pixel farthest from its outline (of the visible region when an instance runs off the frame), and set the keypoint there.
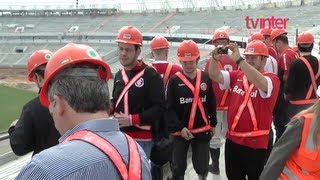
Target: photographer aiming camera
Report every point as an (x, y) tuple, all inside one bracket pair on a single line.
[(220, 41)]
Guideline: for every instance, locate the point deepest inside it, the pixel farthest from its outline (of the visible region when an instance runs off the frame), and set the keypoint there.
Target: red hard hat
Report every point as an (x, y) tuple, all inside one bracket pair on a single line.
[(159, 42), (188, 51), (37, 59), (276, 33), (66, 56), (220, 35), (266, 31), (129, 35), (256, 48), (305, 38), (257, 36)]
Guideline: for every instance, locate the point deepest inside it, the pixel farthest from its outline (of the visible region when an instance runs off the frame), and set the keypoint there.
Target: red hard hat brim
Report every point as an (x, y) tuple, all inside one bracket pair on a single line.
[(128, 42), (192, 58), (30, 75)]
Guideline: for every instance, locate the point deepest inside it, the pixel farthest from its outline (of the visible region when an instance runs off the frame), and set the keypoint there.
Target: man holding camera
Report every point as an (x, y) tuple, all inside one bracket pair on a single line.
[(253, 93), (220, 40)]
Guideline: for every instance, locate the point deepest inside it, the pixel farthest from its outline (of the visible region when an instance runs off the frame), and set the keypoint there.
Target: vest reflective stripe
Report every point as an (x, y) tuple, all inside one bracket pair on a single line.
[(313, 87), (167, 74), (222, 103), (304, 162), (195, 103), (247, 102), (124, 93), (288, 175), (195, 131), (133, 172)]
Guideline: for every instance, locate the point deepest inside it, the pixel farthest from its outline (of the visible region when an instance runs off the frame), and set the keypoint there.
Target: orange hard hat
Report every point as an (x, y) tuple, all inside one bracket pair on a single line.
[(188, 51), (305, 38), (257, 36), (220, 35), (37, 59), (256, 48), (266, 31), (276, 33), (68, 55), (129, 35), (159, 42)]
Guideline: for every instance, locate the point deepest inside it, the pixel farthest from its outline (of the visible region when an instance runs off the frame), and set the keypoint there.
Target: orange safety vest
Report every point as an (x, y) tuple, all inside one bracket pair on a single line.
[(313, 87), (124, 94), (247, 102), (130, 172), (195, 103), (222, 103), (167, 74), (304, 163)]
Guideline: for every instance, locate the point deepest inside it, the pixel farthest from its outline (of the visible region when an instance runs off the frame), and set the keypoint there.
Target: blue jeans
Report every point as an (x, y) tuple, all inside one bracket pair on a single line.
[(146, 146)]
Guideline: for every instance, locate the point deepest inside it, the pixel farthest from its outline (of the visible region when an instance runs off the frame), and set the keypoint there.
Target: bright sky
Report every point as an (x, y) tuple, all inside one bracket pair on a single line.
[(123, 4)]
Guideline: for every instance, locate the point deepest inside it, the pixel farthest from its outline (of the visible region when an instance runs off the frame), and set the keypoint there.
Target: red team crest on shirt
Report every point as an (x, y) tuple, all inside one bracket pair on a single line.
[(203, 86), (139, 82)]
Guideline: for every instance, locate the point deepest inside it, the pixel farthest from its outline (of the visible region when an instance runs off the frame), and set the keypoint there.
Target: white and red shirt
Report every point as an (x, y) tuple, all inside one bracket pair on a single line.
[(271, 65), (227, 64), (263, 104)]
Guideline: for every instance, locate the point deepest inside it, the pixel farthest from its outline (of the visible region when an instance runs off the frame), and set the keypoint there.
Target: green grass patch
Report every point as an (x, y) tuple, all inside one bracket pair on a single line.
[(11, 102)]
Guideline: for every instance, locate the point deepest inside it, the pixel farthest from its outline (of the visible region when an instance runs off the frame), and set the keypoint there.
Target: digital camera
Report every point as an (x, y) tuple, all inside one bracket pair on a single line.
[(223, 50)]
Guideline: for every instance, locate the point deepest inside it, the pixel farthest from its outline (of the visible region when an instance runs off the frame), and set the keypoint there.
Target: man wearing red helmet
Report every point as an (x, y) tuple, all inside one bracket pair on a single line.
[(138, 93), (303, 80), (91, 146), (286, 56), (192, 111), (266, 32), (253, 94), (160, 49), (271, 63), (34, 131), (220, 39)]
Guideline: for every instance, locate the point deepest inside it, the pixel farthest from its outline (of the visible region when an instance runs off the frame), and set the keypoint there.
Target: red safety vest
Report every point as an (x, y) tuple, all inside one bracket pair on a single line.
[(304, 163), (124, 93), (167, 74), (247, 102), (195, 103), (313, 87), (130, 172)]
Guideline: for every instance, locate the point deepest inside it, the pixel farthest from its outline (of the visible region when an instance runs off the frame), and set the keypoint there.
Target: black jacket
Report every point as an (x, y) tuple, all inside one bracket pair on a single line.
[(146, 101), (179, 104), (299, 80), (34, 131)]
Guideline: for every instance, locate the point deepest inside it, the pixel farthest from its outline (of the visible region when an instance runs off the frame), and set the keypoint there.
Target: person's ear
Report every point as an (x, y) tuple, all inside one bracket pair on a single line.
[(60, 104)]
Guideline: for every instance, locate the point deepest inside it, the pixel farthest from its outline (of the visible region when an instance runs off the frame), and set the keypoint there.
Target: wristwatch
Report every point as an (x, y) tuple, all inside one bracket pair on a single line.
[(239, 60)]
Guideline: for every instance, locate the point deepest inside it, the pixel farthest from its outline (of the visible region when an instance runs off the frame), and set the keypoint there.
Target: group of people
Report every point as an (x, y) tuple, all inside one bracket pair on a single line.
[(77, 131)]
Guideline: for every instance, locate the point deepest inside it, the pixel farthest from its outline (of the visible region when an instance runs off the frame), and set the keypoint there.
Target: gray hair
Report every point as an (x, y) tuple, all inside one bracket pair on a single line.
[(82, 87)]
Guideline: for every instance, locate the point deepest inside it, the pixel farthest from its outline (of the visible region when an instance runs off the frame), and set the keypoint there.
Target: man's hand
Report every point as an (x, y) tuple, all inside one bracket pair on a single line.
[(212, 131), (123, 119), (215, 55), (14, 122), (235, 51), (186, 134)]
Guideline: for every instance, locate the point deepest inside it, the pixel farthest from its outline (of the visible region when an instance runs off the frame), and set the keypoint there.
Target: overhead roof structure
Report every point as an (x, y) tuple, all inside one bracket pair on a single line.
[(139, 5)]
